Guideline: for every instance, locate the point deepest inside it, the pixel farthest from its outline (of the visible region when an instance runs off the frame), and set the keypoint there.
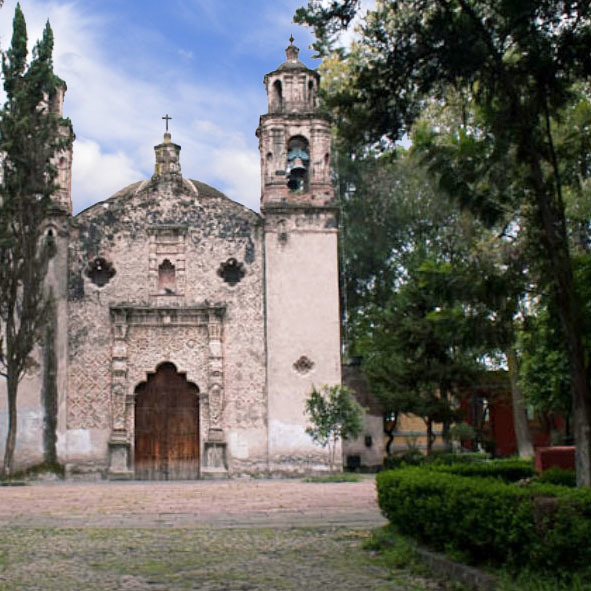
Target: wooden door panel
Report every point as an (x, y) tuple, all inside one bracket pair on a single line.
[(167, 427)]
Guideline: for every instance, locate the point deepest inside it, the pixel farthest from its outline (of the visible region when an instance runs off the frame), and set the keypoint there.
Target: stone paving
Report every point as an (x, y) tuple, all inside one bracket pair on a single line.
[(251, 535), (230, 503)]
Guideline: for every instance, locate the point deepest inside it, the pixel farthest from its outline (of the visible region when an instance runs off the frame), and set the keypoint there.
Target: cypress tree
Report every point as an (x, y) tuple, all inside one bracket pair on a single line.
[(29, 142)]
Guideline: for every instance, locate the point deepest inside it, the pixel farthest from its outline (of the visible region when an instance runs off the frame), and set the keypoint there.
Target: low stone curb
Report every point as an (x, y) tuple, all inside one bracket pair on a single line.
[(443, 566)]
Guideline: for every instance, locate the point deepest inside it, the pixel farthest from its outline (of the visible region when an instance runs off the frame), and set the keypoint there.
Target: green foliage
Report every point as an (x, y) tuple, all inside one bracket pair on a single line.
[(411, 457), (508, 470), (334, 414), (511, 73), (414, 457), (559, 476), (344, 477), (542, 527), (462, 432), (29, 141)]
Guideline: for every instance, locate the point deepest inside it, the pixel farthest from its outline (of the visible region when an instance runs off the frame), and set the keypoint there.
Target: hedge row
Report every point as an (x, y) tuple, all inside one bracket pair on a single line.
[(414, 457), (543, 526), (510, 470)]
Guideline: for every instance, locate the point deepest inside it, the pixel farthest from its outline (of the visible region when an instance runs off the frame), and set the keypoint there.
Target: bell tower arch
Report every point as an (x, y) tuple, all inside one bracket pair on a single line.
[(301, 267)]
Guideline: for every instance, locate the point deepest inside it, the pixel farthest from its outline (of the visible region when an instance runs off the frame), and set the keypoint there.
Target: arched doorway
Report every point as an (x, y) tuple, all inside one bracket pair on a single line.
[(166, 427)]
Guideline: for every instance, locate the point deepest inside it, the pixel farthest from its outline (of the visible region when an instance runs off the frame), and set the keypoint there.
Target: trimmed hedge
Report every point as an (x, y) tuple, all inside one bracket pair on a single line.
[(413, 457), (510, 470), (559, 476), (543, 527)]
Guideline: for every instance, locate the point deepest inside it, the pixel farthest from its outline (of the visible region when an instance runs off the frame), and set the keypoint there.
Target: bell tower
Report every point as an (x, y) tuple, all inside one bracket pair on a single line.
[(294, 140), (301, 266)]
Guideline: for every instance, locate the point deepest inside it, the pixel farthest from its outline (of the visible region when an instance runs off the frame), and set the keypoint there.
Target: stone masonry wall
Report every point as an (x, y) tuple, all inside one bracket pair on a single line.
[(118, 251)]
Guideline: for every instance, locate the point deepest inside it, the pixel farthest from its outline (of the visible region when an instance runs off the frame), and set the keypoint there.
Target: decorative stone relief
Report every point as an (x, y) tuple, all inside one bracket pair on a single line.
[(215, 455), (303, 365), (167, 250), (191, 338), (89, 387), (247, 412), (216, 376)]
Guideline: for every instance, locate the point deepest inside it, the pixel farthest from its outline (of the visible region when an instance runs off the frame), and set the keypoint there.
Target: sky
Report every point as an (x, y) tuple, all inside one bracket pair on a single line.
[(128, 63)]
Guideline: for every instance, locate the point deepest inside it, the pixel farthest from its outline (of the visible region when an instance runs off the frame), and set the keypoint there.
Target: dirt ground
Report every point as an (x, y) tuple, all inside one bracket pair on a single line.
[(213, 536)]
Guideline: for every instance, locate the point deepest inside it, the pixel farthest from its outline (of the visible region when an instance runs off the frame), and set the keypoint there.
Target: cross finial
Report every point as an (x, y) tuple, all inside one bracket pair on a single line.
[(167, 118), (291, 39)]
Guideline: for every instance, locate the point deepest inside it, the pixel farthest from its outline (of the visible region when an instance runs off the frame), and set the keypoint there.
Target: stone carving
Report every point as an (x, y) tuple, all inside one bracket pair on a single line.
[(190, 338), (215, 405), (215, 455), (303, 365), (167, 245), (248, 412), (89, 391)]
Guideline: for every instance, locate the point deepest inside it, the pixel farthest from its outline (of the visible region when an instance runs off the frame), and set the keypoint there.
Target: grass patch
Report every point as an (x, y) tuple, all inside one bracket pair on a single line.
[(399, 554), (341, 477), (179, 559)]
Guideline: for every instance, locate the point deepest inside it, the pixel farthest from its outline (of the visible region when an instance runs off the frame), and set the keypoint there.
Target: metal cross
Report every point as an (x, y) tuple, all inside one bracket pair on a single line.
[(167, 120)]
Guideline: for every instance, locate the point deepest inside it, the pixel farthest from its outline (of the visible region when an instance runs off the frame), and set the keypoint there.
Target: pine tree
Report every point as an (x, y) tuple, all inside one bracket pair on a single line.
[(29, 141)]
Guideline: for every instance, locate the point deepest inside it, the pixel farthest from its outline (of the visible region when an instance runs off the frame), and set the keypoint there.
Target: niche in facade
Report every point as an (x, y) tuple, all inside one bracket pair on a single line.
[(298, 162), (166, 277), (100, 271), (231, 271)]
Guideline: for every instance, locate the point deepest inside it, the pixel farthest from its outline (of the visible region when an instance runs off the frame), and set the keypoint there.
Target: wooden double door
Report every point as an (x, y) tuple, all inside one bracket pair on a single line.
[(166, 427)]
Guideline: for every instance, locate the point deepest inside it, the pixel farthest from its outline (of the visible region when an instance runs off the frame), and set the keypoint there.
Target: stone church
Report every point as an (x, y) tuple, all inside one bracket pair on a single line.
[(189, 330)]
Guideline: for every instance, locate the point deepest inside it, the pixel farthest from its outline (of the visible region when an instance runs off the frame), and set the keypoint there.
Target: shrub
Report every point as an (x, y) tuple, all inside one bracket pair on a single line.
[(542, 527), (559, 476), (509, 470), (411, 457)]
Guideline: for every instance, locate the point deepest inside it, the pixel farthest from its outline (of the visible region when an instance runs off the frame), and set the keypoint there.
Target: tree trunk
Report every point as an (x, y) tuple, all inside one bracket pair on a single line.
[(522, 433), (429, 436), (556, 243), (12, 388)]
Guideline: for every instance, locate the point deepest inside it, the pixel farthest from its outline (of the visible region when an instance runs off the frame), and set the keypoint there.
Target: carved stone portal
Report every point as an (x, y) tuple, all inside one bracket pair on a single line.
[(165, 335)]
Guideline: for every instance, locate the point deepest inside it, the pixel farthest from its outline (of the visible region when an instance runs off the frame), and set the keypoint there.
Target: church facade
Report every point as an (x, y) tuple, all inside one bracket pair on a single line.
[(188, 330)]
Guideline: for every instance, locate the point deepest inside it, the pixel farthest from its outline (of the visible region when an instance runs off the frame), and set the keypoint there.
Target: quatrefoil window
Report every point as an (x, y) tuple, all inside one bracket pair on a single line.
[(303, 365), (100, 271), (231, 271)]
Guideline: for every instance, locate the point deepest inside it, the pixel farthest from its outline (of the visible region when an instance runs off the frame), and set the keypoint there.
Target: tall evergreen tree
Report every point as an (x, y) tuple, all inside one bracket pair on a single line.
[(29, 141)]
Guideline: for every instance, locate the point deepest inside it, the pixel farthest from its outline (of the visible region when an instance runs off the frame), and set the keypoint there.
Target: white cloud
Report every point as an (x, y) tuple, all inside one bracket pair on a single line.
[(240, 171), (97, 175), (116, 102)]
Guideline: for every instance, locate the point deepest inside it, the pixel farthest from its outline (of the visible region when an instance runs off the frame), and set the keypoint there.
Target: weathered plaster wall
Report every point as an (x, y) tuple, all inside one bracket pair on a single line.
[(303, 330), (370, 446), (197, 229), (38, 414), (29, 435)]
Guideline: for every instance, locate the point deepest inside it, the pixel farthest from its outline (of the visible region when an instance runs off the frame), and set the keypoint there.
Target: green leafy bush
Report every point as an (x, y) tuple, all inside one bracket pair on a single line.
[(413, 457), (509, 470), (458, 458), (559, 476), (542, 526)]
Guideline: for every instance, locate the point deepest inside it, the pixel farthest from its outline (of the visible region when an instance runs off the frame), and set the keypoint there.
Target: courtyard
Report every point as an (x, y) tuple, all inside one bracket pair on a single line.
[(212, 536)]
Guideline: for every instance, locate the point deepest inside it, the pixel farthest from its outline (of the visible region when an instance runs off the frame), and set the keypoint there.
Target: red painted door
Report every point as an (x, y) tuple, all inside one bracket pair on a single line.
[(166, 427)]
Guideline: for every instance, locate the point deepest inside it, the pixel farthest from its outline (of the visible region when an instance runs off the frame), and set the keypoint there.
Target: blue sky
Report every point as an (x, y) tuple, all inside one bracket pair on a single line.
[(129, 62)]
